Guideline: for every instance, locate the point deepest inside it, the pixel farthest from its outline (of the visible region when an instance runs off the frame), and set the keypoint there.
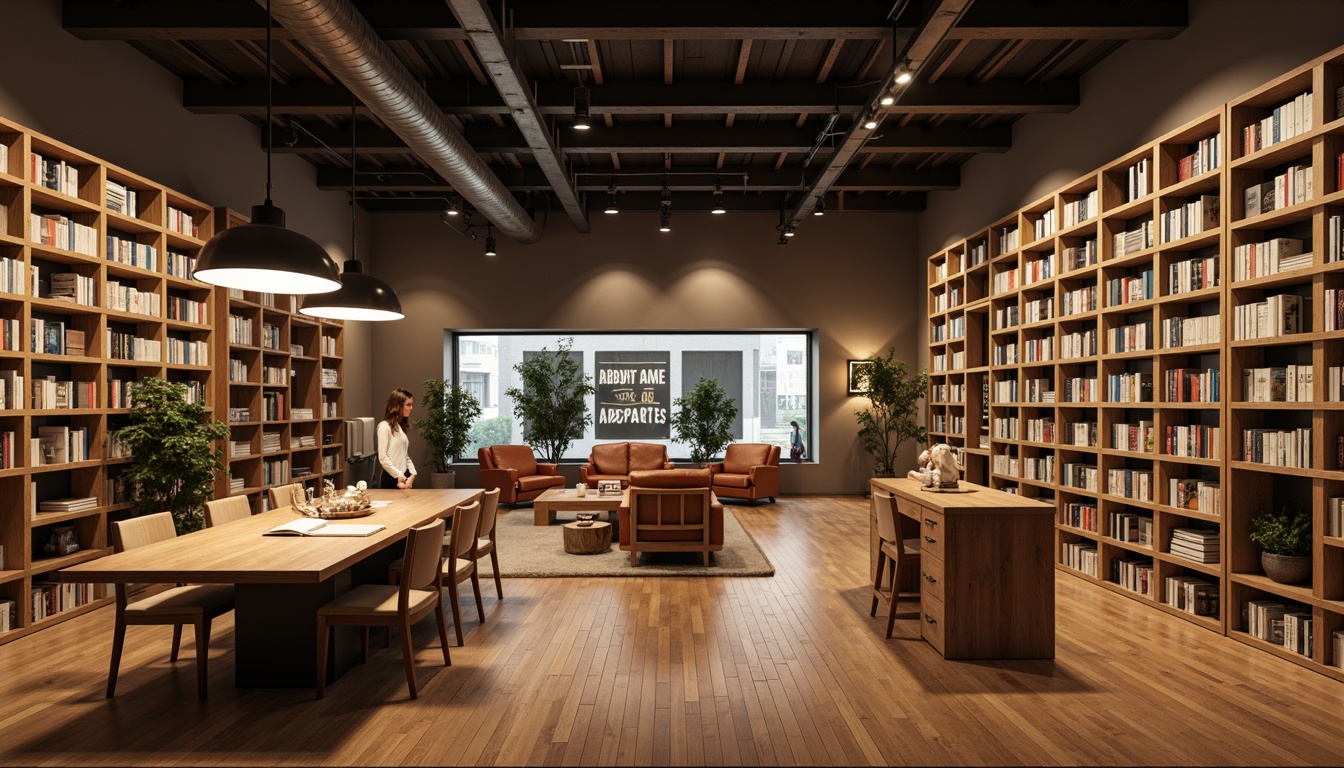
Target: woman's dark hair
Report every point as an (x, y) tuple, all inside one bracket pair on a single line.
[(392, 413)]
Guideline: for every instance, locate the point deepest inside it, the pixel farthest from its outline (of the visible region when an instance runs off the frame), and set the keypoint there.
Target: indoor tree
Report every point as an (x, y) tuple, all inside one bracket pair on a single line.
[(450, 410), (175, 448), (704, 419), (890, 418), (552, 402)]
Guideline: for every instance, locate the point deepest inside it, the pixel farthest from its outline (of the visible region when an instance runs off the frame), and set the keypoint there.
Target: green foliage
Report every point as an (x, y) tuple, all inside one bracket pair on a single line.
[(176, 452), (890, 418), (488, 432), (553, 401), (704, 419), (450, 411), (1286, 532)]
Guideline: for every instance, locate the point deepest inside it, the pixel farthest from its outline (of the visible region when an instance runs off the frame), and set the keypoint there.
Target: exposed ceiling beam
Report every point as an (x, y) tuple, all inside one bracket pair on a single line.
[(685, 137), (488, 42), (623, 20), (650, 97), (683, 202), (650, 179)]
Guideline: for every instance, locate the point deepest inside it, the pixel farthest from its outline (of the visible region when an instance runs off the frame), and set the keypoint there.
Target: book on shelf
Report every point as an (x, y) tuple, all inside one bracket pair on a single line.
[(311, 526), (9, 611), (72, 504), (1199, 545)]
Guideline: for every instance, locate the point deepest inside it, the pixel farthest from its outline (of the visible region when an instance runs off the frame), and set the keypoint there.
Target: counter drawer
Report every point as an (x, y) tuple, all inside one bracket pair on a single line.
[(931, 622), (931, 577), (932, 532), (907, 507)]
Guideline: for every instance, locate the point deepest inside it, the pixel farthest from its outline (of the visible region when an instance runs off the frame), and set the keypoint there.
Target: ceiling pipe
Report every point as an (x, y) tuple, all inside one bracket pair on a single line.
[(343, 41)]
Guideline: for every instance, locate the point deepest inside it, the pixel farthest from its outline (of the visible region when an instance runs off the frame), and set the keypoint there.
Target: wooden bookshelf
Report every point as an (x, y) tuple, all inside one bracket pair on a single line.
[(158, 304), (1031, 328), (273, 365)]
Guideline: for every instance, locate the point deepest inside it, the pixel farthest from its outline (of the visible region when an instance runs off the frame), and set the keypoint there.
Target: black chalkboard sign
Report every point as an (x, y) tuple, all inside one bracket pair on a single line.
[(633, 395)]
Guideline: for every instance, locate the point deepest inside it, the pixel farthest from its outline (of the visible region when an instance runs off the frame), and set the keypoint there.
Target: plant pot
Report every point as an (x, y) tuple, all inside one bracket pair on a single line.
[(443, 479), (1286, 569)]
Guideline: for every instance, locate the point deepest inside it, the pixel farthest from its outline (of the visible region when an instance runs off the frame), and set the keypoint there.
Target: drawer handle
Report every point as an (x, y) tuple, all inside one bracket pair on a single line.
[(930, 619), (930, 539), (930, 522), (930, 579)]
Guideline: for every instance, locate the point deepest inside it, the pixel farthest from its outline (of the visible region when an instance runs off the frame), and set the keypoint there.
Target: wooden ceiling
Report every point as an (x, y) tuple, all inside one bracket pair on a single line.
[(765, 99)]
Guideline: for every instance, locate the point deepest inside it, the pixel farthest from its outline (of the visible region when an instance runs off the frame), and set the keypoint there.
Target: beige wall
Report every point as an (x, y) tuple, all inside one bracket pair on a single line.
[(839, 275), (109, 100)]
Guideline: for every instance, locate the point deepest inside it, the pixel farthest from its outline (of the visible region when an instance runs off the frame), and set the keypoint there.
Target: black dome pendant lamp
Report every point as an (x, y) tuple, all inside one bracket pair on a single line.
[(361, 296), (264, 256)]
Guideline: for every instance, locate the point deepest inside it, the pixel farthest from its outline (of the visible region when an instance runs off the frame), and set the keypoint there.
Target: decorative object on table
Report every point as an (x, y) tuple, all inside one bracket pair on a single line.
[(581, 490), (704, 419), (585, 518), (553, 400), (63, 541), (353, 502), (608, 487), (450, 411), (889, 419), (1285, 537), (176, 450)]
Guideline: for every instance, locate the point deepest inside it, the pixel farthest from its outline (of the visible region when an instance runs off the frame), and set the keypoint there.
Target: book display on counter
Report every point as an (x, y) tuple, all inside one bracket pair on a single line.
[(1215, 389), (88, 305)]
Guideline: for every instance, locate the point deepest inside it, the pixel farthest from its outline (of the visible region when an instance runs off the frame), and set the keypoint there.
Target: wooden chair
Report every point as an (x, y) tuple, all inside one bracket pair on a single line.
[(280, 495), (485, 536), (384, 605), (195, 605), (669, 520), (459, 563), (891, 549), (227, 510)]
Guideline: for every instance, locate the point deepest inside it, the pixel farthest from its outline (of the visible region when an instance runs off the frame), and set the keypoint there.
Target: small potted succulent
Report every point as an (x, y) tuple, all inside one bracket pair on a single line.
[(1285, 537)]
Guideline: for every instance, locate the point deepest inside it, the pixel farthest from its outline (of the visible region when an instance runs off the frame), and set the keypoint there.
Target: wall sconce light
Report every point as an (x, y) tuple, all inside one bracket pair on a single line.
[(857, 383)]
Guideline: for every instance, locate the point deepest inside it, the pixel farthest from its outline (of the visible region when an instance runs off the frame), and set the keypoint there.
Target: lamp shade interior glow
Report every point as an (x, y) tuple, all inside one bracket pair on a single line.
[(360, 297), (265, 257)]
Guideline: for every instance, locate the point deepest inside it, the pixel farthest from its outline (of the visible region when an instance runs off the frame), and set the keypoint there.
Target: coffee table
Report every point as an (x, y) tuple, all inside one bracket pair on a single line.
[(567, 500)]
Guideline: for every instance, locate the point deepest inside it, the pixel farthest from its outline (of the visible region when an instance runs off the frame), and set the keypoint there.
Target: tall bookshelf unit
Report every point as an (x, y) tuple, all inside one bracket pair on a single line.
[(282, 375), (1072, 360), (139, 314)]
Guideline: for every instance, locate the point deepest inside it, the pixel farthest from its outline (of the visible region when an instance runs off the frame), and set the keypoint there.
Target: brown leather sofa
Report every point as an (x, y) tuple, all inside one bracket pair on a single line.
[(748, 471), (615, 461), (514, 470), (674, 511)]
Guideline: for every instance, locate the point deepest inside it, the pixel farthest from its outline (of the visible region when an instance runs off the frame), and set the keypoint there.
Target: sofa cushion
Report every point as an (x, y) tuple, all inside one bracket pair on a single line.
[(729, 480), (670, 478), (741, 457), (611, 458), (519, 457), (537, 482), (647, 456)]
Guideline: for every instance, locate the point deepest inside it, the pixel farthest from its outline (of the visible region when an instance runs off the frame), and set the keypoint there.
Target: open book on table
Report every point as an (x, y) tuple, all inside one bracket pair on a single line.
[(312, 526)]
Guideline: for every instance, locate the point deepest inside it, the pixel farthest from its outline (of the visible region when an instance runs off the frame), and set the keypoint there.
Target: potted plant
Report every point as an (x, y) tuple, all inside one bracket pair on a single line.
[(450, 411), (552, 403), (176, 451), (704, 419), (890, 418), (1285, 537)]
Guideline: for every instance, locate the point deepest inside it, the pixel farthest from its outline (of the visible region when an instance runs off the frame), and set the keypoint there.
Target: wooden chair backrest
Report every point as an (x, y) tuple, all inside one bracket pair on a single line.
[(231, 509), (489, 514), (424, 556), (139, 531), (463, 538), (669, 510), (884, 504), (280, 495)]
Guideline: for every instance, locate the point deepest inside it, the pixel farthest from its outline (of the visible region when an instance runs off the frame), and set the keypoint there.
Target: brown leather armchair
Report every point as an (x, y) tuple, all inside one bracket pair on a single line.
[(748, 471), (514, 470), (673, 511), (615, 461)]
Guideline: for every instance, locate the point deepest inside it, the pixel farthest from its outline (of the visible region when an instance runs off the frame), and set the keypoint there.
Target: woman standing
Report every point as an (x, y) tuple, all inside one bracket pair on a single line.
[(797, 447), (393, 444)]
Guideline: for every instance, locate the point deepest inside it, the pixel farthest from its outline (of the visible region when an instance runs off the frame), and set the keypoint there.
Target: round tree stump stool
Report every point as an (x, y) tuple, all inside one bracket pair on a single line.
[(588, 539)]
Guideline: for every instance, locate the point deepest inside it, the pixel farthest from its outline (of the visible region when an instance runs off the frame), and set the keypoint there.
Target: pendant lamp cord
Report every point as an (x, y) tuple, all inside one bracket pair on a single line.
[(354, 148), (268, 102)]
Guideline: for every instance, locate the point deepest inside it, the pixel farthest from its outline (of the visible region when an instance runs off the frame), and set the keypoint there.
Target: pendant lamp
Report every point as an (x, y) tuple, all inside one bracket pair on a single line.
[(361, 296), (264, 256)]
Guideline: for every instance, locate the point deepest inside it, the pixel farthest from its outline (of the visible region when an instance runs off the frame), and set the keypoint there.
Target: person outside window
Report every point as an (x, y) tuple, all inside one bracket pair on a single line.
[(796, 445)]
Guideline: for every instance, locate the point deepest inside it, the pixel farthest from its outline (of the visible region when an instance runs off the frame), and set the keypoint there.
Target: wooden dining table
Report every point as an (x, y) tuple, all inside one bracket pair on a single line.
[(281, 581)]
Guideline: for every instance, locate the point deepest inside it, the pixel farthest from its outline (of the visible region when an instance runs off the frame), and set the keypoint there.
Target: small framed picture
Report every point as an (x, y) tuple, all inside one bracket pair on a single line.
[(608, 487), (856, 385)]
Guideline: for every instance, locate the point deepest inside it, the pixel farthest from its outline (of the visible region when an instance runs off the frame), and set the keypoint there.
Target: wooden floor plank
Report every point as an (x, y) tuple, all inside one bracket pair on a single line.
[(696, 671)]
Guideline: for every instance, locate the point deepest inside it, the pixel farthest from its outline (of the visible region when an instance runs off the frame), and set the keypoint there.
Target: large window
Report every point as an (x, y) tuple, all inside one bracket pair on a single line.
[(769, 373)]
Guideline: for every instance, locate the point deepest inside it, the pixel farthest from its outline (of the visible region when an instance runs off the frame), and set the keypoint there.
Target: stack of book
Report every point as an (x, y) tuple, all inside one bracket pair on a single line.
[(73, 504), (1195, 544), (236, 485), (270, 442), (300, 414)]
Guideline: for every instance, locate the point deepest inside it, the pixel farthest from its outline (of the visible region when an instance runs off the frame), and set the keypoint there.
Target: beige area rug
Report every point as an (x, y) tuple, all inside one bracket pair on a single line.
[(535, 551)]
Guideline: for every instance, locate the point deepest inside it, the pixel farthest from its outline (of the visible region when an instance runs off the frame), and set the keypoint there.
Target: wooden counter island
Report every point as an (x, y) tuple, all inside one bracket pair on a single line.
[(986, 581)]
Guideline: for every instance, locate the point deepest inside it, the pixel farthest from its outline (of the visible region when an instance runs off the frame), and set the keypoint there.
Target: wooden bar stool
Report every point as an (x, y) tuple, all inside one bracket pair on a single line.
[(893, 549)]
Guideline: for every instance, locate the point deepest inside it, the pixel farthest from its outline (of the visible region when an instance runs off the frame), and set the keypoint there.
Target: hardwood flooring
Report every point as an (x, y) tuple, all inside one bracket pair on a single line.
[(787, 670)]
